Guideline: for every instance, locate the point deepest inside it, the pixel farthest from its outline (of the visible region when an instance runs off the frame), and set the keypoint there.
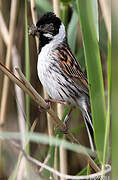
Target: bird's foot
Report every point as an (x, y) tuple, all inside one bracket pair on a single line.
[(48, 101), (42, 109), (65, 123), (65, 128)]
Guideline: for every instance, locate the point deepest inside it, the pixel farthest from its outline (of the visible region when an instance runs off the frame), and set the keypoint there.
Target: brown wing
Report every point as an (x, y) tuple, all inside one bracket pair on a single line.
[(72, 68)]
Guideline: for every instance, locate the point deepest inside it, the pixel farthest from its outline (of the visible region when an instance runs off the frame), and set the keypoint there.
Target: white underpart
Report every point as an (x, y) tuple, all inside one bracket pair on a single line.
[(45, 59), (60, 36)]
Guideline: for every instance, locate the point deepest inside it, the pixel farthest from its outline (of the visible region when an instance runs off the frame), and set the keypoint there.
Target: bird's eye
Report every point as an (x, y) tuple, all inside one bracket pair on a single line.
[(51, 26), (46, 28), (41, 27)]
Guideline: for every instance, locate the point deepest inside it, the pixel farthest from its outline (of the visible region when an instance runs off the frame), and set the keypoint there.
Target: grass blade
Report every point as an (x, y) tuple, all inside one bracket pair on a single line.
[(43, 6), (72, 31), (44, 139), (27, 71), (94, 72), (114, 92), (106, 141), (95, 13), (27, 65)]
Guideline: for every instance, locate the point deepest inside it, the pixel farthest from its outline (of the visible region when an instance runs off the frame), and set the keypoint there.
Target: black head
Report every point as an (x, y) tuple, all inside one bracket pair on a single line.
[(46, 28), (49, 23)]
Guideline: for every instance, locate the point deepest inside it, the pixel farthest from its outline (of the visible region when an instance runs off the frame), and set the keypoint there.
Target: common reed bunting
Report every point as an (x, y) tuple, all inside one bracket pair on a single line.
[(58, 69)]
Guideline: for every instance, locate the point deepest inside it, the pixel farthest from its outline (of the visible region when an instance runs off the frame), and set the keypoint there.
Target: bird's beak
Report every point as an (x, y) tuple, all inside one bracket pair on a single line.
[(33, 30)]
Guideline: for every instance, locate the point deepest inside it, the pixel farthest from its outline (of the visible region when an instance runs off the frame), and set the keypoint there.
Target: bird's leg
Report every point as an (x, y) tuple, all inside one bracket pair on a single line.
[(54, 101), (64, 130), (68, 116), (48, 101)]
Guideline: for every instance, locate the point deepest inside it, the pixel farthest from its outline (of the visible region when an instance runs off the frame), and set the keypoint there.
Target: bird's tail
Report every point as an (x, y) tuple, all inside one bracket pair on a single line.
[(89, 127)]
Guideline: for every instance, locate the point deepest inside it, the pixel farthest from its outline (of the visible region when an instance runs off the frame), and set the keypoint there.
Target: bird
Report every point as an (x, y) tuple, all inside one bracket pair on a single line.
[(58, 70)]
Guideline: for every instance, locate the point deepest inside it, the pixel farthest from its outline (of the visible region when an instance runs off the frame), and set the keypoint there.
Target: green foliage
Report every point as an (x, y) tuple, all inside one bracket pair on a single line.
[(43, 6), (27, 72), (72, 31), (106, 140), (27, 64), (64, 15), (114, 94), (27, 67), (94, 72), (66, 1), (95, 16)]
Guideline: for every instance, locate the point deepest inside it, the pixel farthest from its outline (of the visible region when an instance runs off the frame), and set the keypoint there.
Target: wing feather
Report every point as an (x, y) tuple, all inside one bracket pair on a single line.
[(71, 67)]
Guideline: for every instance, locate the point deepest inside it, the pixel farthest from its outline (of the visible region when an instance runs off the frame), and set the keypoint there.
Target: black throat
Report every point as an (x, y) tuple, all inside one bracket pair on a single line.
[(43, 41)]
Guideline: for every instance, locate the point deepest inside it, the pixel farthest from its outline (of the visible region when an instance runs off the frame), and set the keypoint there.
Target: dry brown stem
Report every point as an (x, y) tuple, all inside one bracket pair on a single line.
[(106, 11), (13, 15)]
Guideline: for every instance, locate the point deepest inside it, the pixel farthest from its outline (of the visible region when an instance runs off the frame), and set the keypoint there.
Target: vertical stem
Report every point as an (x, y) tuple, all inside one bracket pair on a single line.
[(27, 65), (63, 152), (34, 18), (114, 92), (64, 15), (27, 71), (56, 7), (49, 118), (4, 96), (106, 141), (16, 62), (56, 161), (13, 15), (105, 7)]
